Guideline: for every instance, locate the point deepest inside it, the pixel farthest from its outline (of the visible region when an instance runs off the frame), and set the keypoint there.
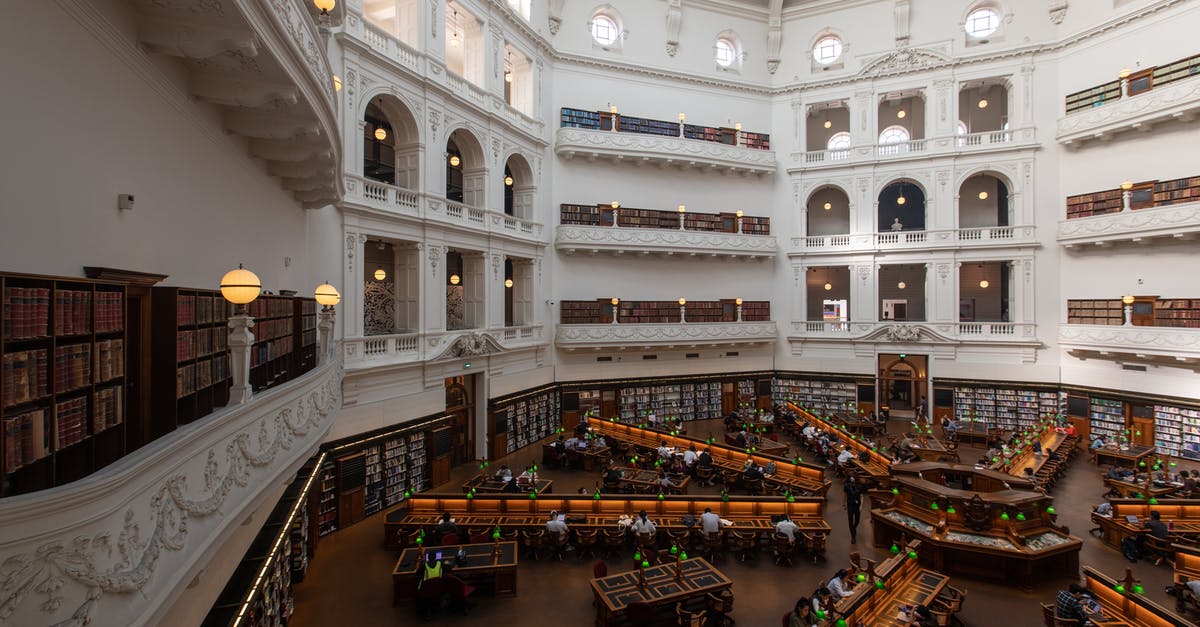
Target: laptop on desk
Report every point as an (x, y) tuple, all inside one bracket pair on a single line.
[(1132, 519)]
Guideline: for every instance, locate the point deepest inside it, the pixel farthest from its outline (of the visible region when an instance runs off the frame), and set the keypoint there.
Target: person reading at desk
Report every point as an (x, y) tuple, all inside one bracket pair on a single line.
[(576, 443), (710, 522), (1097, 443), (504, 474), (1120, 473), (1037, 447), (664, 451), (1028, 473), (664, 482), (837, 585), (752, 471), (642, 524), (557, 524), (802, 615), (527, 478), (446, 525), (785, 527), (1067, 604), (845, 456), (741, 439), (689, 456), (705, 459)]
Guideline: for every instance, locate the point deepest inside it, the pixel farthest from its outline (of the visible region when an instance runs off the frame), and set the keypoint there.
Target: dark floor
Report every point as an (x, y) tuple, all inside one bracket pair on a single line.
[(349, 581)]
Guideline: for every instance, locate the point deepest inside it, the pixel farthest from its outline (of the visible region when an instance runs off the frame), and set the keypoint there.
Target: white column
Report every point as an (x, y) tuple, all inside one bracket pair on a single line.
[(240, 341)]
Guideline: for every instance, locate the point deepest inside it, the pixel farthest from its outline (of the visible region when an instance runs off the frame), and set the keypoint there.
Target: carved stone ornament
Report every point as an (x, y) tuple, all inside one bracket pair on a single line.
[(435, 253), (471, 345), (1058, 11), (121, 555), (903, 333), (976, 514), (903, 60)]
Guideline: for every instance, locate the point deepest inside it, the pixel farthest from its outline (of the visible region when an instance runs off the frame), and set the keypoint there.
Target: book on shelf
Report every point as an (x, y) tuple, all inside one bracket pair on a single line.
[(72, 367), (26, 438), (24, 376), (26, 310), (72, 312), (70, 422)]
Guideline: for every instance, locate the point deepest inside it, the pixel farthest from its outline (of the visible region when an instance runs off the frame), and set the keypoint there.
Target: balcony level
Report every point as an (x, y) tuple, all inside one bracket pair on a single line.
[(366, 194), (668, 335), (616, 230), (942, 338), (1134, 213), (972, 143), (1156, 346), (941, 239), (662, 151), (378, 351)]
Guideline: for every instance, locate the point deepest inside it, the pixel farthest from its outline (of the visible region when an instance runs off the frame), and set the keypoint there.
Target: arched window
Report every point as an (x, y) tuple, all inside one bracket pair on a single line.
[(839, 146), (725, 52), (893, 140), (827, 50), (982, 22), (605, 30)]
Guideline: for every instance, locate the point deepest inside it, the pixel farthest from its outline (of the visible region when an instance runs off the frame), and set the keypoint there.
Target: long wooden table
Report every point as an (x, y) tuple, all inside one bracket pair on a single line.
[(930, 450), (1132, 489), (697, 579), (1182, 517), (801, 478), (766, 446), (876, 465), (977, 433), (1113, 455), (487, 484), (484, 567), (905, 583), (1127, 608), (640, 480), (517, 511), (1187, 562), (854, 423)]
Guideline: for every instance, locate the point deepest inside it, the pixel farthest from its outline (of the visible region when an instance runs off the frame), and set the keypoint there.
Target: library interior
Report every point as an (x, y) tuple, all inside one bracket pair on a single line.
[(821, 313)]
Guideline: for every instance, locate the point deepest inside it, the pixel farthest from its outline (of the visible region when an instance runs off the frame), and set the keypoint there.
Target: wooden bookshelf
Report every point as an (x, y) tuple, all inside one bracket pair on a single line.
[(1002, 407), (271, 360), (1093, 97), (304, 311), (1095, 311), (630, 217), (528, 418), (189, 351), (603, 120), (62, 397), (1094, 204), (661, 311), (1177, 312), (1167, 312)]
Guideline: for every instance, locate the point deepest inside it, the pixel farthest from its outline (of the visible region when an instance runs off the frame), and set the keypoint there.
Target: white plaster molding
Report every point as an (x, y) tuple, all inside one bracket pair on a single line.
[(114, 546), (974, 238), (1058, 11), (1177, 101), (917, 333), (662, 151), (1164, 346), (1176, 222), (617, 240), (573, 336), (990, 142)]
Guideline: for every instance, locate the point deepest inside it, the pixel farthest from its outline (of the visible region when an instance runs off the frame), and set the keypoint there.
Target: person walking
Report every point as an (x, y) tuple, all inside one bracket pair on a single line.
[(853, 505)]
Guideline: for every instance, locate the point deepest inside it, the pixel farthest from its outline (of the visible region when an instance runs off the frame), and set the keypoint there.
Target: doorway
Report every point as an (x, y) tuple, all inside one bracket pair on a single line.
[(903, 379), (460, 407)]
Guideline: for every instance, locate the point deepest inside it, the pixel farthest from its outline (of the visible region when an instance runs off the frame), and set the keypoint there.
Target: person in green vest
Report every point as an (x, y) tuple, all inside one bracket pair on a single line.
[(431, 569)]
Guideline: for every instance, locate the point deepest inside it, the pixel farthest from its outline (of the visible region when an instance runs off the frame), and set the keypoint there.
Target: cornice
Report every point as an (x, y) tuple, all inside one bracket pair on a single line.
[(571, 238)]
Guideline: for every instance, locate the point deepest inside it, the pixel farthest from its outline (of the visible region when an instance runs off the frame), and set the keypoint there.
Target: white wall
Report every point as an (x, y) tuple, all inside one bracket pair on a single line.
[(88, 123)]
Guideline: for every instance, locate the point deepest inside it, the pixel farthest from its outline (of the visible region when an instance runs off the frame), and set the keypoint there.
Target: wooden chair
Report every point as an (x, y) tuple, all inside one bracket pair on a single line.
[(719, 607), (704, 475), (782, 550), (745, 543), (952, 599), (587, 541), (814, 543), (1159, 548), (730, 479), (555, 545), (531, 540), (1048, 614), (754, 487), (684, 618), (714, 547), (614, 542)]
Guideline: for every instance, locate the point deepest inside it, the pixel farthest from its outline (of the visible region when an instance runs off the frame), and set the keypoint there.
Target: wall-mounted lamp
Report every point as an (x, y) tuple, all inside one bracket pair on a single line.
[(337, 83), (901, 285), (682, 302), (616, 204), (901, 199), (682, 208), (1124, 73), (508, 77), (901, 113), (327, 295), (615, 301), (455, 279), (240, 286), (828, 286), (1127, 185), (324, 6), (828, 206), (1127, 299), (828, 124), (738, 302)]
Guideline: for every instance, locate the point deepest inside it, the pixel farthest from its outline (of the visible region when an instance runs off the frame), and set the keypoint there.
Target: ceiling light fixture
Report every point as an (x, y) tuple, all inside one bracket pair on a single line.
[(983, 195), (828, 206), (508, 180), (828, 124), (900, 114), (828, 286), (984, 284), (454, 161), (380, 273), (983, 103), (508, 283), (455, 279), (380, 133)]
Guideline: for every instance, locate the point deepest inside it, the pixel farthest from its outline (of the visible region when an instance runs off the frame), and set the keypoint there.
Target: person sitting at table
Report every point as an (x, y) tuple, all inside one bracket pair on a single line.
[(752, 471), (1071, 430), (642, 525), (1097, 442), (599, 442), (1028, 473), (689, 456), (920, 616), (993, 452), (1037, 446), (710, 522), (504, 474), (1189, 481), (651, 419), (844, 457), (837, 585), (581, 429), (785, 527), (446, 526), (705, 459), (527, 478), (664, 451), (676, 466), (664, 482), (1120, 472), (822, 600), (576, 443), (1067, 605), (557, 525), (770, 469), (810, 432), (741, 440), (802, 615), (1156, 526), (612, 478), (1104, 509)]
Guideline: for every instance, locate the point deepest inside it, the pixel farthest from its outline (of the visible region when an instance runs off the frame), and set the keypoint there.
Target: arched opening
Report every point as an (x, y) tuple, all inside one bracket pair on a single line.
[(902, 383), (465, 169), (903, 111), (828, 295), (983, 106), (826, 121), (391, 282), (828, 212), (982, 202), (464, 44), (518, 80), (391, 146), (901, 207), (518, 187)]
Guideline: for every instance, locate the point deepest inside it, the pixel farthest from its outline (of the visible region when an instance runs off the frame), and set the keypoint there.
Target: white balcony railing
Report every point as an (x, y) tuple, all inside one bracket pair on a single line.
[(392, 48), (370, 194), (916, 148), (571, 239), (1173, 346), (1176, 101), (576, 336), (940, 239), (917, 332), (675, 152), (169, 507), (1173, 222), (374, 351)]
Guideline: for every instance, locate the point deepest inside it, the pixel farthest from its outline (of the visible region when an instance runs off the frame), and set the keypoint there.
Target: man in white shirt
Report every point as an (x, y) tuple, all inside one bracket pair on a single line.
[(665, 452), (787, 528), (557, 525), (710, 522), (642, 524), (845, 456), (689, 457), (810, 432)]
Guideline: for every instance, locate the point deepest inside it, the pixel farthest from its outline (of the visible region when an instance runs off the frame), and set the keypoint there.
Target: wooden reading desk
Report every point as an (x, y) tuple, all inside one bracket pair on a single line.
[(801, 478), (646, 481), (484, 567), (1129, 457), (1127, 607), (766, 446), (662, 589), (930, 449), (857, 424), (876, 465), (486, 484), (1182, 517), (518, 511), (1146, 488), (905, 583), (978, 433)]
